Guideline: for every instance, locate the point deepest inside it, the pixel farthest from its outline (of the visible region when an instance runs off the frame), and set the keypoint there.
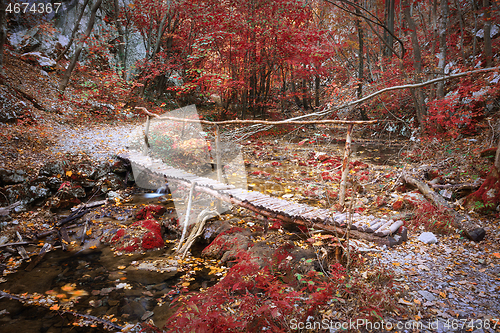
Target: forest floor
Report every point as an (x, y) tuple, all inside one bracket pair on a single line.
[(450, 286)]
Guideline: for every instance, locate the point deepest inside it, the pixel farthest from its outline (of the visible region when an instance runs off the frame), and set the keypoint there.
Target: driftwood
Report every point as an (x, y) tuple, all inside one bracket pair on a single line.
[(43, 251), (90, 205), (20, 248), (73, 216), (4, 211), (64, 237), (461, 221), (16, 244), (197, 230)]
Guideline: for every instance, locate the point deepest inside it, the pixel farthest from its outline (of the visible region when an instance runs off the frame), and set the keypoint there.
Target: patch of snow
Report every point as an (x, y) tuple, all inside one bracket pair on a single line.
[(63, 40), (42, 60), (479, 93), (447, 68), (495, 29), (16, 38), (496, 78)]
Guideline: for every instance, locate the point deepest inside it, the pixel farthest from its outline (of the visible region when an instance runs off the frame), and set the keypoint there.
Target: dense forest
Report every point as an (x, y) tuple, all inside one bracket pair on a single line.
[(254, 56), (247, 166)]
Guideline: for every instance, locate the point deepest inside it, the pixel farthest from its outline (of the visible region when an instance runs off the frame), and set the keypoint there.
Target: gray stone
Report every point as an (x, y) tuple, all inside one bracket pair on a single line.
[(428, 238), (427, 295), (53, 168), (114, 195), (10, 177)]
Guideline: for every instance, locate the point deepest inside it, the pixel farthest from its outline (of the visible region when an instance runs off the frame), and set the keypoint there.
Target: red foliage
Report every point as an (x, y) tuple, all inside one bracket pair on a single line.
[(432, 218), (119, 234), (487, 197), (149, 211)]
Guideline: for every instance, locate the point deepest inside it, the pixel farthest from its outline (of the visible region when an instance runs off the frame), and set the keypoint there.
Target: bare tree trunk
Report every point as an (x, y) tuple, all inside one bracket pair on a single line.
[(417, 94), (121, 40), (345, 167), (389, 22), (316, 90), (487, 33), (73, 33), (361, 64), (462, 27), (474, 44), (3, 30), (442, 45), (497, 156), (90, 26), (434, 26)]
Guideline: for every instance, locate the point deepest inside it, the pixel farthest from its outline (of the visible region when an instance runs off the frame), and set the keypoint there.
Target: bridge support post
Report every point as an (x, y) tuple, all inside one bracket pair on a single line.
[(146, 139), (218, 163), (345, 166)]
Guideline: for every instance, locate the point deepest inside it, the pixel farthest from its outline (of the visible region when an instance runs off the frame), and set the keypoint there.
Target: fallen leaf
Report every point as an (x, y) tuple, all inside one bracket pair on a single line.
[(404, 302)]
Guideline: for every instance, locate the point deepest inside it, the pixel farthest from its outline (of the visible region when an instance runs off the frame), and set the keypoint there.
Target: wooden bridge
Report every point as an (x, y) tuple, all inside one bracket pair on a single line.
[(364, 227)]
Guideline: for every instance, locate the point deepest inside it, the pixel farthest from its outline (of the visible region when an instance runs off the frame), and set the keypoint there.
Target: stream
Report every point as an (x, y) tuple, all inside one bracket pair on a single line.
[(93, 280)]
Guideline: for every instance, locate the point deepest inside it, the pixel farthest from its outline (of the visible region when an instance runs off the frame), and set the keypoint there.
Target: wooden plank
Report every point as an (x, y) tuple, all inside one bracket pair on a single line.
[(380, 230), (262, 203), (287, 206), (362, 225), (392, 228), (374, 226)]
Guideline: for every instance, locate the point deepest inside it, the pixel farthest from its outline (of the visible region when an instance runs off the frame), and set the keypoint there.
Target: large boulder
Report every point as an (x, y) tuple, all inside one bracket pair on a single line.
[(141, 236), (228, 244), (55, 168), (10, 177)]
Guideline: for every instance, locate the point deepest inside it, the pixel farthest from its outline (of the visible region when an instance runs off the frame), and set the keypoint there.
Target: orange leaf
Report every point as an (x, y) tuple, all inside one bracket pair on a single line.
[(68, 287), (496, 254), (54, 307)]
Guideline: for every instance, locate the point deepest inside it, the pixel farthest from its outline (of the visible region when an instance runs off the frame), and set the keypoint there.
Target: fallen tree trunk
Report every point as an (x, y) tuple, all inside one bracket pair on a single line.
[(461, 221), (458, 187)]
